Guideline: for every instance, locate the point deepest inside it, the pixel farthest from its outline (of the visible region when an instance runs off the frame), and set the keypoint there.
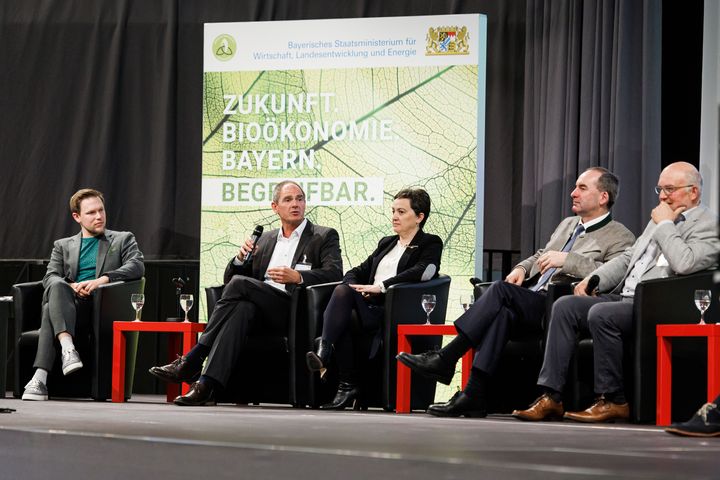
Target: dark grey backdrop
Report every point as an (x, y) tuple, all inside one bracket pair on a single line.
[(107, 93)]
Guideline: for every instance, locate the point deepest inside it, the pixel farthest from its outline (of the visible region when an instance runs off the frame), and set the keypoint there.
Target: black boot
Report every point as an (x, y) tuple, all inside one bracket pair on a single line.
[(346, 396), (319, 359)]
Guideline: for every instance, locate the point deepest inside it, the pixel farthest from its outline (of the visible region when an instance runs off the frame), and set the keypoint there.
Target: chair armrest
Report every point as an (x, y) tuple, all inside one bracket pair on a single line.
[(402, 306), (480, 288), (212, 295), (113, 299), (318, 297), (402, 302), (27, 305), (111, 302)]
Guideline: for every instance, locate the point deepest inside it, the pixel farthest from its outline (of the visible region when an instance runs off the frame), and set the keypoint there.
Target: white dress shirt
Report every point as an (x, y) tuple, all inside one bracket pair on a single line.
[(387, 268), (285, 251)]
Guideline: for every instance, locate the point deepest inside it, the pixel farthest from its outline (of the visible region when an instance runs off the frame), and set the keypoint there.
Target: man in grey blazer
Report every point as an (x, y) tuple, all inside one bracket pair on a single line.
[(78, 265), (579, 245), (681, 238), (256, 297)]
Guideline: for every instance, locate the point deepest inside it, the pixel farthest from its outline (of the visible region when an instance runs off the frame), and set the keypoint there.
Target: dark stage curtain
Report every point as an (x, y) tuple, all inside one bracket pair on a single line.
[(592, 97), (107, 93)]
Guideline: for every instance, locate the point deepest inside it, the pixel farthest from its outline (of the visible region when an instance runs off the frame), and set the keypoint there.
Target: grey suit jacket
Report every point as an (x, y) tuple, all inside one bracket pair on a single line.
[(688, 247), (118, 257), (602, 242)]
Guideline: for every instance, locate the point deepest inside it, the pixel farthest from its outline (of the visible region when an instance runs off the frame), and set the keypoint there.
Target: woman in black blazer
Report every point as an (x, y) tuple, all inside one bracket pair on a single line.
[(409, 256)]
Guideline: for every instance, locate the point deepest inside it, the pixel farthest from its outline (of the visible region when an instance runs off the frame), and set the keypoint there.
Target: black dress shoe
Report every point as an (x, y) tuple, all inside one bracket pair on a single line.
[(318, 360), (430, 365), (459, 405), (705, 423), (200, 394), (346, 396), (180, 370)]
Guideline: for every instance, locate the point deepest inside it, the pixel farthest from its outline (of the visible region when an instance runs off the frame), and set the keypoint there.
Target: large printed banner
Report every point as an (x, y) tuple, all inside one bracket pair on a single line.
[(353, 110)]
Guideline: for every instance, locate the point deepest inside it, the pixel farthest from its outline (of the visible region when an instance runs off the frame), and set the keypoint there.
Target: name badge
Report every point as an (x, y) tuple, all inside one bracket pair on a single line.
[(303, 265)]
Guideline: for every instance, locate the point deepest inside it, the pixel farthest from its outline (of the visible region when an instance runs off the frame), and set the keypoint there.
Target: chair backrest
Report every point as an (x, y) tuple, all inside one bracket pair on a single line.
[(27, 304)]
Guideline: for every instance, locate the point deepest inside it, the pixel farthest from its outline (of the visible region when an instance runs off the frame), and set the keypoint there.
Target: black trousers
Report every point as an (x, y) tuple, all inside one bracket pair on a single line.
[(247, 306), (502, 310), (345, 335)]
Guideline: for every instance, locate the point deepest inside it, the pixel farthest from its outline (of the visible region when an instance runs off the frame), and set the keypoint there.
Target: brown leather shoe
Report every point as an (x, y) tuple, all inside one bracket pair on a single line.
[(544, 408), (601, 411)]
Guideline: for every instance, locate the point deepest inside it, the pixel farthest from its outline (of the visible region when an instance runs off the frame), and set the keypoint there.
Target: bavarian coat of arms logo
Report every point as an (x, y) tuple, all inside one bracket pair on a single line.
[(448, 41)]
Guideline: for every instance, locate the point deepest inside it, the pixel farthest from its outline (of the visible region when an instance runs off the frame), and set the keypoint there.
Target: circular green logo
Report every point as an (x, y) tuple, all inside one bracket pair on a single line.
[(224, 47)]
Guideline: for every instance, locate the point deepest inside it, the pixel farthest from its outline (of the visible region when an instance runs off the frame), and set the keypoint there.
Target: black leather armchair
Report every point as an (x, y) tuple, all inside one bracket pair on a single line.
[(659, 301), (402, 306), (271, 368), (514, 384), (93, 340)]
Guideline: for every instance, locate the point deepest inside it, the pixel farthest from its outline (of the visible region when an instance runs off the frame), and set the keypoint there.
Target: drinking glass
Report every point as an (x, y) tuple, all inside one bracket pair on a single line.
[(466, 302), (186, 302), (137, 300), (702, 302), (428, 304)]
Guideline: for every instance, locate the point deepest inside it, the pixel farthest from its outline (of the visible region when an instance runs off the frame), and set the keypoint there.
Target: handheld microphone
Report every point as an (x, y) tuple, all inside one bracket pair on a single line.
[(253, 238), (592, 284)]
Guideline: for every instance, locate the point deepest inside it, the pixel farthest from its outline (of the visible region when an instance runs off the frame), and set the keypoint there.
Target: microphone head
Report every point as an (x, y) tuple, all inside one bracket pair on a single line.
[(592, 284), (258, 230)]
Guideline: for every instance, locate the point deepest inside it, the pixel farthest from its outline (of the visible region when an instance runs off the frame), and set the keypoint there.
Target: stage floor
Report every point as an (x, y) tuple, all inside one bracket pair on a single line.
[(147, 438)]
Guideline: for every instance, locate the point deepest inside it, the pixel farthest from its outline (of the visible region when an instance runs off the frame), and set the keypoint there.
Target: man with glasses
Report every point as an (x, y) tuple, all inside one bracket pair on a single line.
[(681, 238)]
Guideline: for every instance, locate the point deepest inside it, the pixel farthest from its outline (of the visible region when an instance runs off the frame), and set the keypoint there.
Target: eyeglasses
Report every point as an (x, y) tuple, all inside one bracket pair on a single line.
[(669, 190)]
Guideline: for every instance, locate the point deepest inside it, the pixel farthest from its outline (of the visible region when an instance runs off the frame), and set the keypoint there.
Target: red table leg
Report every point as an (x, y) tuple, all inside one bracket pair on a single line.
[(713, 367), (173, 389), (118, 366), (402, 397), (467, 360), (664, 381), (189, 339)]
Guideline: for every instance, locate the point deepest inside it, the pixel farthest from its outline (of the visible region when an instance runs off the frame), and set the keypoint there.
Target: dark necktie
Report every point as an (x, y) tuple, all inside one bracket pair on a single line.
[(568, 245)]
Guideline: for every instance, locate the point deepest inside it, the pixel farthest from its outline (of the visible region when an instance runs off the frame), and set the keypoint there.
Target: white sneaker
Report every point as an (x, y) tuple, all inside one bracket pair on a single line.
[(71, 362), (35, 390)]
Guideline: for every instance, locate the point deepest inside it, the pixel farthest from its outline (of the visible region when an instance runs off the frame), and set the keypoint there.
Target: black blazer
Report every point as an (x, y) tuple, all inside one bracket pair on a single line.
[(318, 246), (420, 262)]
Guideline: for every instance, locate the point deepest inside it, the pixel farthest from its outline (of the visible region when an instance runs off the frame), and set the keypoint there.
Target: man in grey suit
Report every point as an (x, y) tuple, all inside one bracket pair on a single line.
[(579, 245), (78, 265), (681, 238)]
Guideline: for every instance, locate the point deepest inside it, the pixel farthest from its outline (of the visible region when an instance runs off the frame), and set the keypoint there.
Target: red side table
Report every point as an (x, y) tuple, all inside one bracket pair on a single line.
[(187, 331), (402, 398), (664, 363)]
